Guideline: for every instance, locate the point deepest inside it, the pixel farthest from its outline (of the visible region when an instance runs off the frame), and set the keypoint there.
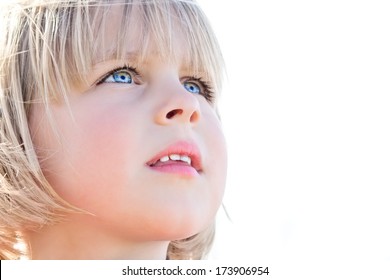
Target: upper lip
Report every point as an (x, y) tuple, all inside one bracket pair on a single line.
[(181, 148)]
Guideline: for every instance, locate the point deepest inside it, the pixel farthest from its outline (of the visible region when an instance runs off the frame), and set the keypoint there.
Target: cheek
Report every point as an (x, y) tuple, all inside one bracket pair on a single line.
[(105, 150), (216, 144), (91, 157), (219, 161), (216, 157)]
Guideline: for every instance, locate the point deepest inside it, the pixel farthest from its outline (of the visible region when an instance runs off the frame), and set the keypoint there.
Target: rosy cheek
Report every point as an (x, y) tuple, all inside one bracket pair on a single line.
[(216, 160), (87, 156), (102, 143)]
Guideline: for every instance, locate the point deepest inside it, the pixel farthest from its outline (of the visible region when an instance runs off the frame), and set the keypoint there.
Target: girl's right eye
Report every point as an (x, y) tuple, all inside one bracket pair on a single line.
[(123, 75)]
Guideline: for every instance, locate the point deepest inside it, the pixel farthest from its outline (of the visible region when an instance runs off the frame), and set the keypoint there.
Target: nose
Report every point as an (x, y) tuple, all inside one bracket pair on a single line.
[(177, 105)]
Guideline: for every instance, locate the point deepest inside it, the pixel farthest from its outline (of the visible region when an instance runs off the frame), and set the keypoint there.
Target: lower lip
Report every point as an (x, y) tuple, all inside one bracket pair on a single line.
[(182, 170)]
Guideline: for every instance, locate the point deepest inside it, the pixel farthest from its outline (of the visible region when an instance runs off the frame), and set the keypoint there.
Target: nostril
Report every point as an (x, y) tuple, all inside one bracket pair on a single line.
[(173, 113), (194, 117)]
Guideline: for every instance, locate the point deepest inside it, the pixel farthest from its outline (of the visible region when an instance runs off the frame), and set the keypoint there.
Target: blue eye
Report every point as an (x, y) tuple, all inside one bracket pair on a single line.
[(199, 86), (120, 76), (192, 87), (123, 75)]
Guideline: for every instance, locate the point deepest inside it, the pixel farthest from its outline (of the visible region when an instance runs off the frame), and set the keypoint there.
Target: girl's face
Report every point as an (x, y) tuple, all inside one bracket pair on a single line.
[(140, 147)]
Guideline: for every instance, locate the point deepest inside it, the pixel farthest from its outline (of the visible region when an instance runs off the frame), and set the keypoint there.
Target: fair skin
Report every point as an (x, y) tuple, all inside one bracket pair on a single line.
[(109, 132)]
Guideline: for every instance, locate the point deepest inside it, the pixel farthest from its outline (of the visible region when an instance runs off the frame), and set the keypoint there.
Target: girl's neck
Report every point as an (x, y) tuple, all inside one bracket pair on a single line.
[(75, 241)]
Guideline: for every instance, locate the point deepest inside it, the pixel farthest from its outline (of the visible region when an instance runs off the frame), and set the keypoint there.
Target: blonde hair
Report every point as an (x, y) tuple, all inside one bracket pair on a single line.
[(47, 46)]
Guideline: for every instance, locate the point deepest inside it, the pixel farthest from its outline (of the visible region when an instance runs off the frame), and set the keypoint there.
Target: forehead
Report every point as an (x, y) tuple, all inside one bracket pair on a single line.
[(132, 32)]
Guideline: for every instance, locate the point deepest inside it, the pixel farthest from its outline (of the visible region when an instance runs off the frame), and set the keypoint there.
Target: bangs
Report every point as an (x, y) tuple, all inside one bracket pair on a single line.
[(78, 34)]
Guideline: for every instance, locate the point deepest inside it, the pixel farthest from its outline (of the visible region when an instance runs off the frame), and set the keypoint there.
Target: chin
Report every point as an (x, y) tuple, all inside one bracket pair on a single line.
[(170, 229)]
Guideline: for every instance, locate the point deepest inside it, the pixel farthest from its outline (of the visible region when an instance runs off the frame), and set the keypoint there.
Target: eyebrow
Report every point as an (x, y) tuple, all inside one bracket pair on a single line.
[(136, 57), (133, 56)]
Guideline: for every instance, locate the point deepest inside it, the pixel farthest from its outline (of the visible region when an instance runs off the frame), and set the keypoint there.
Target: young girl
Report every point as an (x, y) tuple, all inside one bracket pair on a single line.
[(111, 147)]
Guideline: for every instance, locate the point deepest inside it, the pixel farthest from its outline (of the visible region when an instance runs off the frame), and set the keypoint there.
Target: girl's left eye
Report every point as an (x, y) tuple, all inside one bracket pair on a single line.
[(192, 87), (124, 75), (199, 86)]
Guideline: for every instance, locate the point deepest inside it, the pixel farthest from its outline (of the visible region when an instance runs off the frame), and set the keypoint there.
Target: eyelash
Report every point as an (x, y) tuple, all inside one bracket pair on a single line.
[(206, 89)]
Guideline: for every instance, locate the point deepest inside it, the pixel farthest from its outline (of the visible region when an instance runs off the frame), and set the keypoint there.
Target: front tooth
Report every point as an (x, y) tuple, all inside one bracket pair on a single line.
[(164, 159), (186, 159), (174, 157)]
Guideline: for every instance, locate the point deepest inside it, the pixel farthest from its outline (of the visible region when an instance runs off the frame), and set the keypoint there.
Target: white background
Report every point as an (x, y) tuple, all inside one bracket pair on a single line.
[(306, 113)]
